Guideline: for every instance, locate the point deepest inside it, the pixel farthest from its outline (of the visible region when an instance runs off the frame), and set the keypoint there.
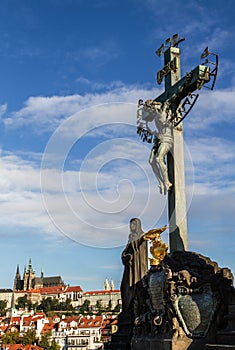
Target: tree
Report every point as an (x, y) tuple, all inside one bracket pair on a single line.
[(109, 306), (98, 304), (11, 338), (49, 304), (47, 344), (3, 305), (118, 308), (54, 345), (53, 304), (66, 305), (29, 337), (23, 303), (99, 307), (45, 341), (85, 306)]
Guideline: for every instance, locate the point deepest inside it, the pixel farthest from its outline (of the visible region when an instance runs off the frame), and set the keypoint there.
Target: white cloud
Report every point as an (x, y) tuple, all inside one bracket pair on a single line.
[(77, 207), (46, 113), (20, 197), (214, 169), (184, 18), (96, 86), (101, 53), (212, 108), (112, 185), (17, 174), (205, 150), (3, 109), (93, 201)]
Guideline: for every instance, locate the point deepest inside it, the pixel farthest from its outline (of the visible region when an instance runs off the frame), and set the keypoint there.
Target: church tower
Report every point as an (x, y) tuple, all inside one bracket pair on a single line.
[(29, 277), (17, 280), (112, 287), (106, 285)]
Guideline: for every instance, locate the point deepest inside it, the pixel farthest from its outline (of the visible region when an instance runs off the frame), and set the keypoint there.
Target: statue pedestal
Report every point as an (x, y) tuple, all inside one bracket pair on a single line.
[(122, 338), (150, 344), (167, 344), (227, 336), (184, 303)]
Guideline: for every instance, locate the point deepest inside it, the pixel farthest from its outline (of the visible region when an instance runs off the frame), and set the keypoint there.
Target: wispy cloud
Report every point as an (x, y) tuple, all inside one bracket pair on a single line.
[(101, 53), (44, 114), (97, 86), (212, 108), (99, 191), (3, 109)]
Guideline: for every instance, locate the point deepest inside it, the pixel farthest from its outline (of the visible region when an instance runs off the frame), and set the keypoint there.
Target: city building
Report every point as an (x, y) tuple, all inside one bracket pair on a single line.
[(69, 332), (6, 295), (29, 279), (103, 298), (38, 288), (21, 347)]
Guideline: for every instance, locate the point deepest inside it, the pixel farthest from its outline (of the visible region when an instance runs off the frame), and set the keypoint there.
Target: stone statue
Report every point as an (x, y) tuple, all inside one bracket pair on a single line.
[(135, 261), (165, 115), (163, 139)]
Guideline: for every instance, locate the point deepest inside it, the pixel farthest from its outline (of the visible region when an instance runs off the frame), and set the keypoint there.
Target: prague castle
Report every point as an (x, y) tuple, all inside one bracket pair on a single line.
[(30, 281)]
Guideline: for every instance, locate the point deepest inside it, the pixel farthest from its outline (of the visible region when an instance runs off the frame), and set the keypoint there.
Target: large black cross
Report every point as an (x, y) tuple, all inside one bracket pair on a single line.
[(177, 89)]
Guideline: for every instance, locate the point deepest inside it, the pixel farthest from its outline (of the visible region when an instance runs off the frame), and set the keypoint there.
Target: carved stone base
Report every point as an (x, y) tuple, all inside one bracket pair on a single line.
[(227, 335), (167, 344), (186, 303), (122, 339)]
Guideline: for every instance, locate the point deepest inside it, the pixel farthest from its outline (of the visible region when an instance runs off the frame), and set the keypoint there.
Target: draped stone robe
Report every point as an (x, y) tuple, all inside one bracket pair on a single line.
[(135, 261)]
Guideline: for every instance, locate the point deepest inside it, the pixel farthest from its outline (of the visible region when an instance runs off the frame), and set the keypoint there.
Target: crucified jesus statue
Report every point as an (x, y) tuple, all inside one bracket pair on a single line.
[(161, 115)]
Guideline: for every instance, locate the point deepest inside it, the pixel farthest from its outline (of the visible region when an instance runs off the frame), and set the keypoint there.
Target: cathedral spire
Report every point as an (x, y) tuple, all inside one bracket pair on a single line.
[(18, 271), (112, 285), (30, 265), (17, 278), (106, 285)]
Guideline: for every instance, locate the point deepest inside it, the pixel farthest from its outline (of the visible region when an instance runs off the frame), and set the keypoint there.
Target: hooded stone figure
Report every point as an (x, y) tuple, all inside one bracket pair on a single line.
[(135, 261)]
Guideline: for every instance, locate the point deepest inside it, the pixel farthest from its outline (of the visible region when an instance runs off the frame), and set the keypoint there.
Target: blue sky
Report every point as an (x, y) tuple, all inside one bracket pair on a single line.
[(73, 172)]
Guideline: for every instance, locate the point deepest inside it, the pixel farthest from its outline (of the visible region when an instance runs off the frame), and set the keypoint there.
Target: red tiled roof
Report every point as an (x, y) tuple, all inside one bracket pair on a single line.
[(91, 322), (15, 319), (21, 347), (48, 327), (52, 290), (102, 292), (59, 289), (69, 319), (3, 328), (33, 291), (74, 289), (37, 317)]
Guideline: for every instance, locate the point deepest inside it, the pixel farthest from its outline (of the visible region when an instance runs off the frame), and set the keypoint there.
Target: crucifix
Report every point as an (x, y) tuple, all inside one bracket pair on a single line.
[(167, 112)]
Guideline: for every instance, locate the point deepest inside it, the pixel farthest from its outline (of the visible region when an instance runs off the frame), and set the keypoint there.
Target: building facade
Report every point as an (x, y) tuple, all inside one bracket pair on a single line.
[(29, 279), (104, 298)]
